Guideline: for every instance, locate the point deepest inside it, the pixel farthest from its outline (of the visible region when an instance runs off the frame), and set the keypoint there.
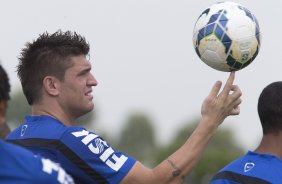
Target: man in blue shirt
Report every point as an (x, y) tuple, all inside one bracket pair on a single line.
[(18, 165), (4, 98), (77, 150), (262, 166), (57, 82)]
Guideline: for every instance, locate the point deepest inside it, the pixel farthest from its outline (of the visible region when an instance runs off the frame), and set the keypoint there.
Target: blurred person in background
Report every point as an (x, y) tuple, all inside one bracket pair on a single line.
[(4, 98), (18, 165), (263, 165)]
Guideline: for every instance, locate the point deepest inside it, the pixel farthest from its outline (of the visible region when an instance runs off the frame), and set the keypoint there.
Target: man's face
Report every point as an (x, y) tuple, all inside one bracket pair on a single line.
[(76, 89)]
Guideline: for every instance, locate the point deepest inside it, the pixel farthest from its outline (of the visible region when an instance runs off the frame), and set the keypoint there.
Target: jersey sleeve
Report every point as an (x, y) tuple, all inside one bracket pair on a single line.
[(95, 157)]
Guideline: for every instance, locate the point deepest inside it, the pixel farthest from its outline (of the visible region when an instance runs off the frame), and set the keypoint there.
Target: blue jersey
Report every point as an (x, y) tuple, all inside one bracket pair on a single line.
[(83, 154), (253, 168), (20, 166)]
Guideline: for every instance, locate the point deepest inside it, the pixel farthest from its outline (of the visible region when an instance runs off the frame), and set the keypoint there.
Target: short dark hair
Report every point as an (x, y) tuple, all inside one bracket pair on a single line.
[(49, 54), (4, 85), (270, 108)]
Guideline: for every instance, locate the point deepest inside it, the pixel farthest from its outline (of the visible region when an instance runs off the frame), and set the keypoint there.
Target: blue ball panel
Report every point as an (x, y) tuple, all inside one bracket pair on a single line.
[(237, 65), (201, 35), (227, 46), (209, 29), (213, 18), (230, 61), (226, 38), (218, 32)]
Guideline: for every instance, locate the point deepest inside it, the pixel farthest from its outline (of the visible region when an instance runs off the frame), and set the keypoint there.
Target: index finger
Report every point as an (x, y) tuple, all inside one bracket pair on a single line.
[(229, 83)]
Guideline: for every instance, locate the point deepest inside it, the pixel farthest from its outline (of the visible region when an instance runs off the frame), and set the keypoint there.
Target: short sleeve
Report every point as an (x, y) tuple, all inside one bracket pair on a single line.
[(92, 154)]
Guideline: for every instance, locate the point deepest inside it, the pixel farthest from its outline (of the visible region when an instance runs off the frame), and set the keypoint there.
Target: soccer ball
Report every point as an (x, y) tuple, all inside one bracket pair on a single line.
[(227, 36)]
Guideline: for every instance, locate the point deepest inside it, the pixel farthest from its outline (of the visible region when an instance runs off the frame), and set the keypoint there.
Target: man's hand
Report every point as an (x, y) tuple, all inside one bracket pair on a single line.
[(218, 105)]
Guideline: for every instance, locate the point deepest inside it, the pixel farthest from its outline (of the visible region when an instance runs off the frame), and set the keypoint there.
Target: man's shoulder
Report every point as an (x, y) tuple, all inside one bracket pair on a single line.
[(250, 168), (41, 130), (252, 161), (79, 135)]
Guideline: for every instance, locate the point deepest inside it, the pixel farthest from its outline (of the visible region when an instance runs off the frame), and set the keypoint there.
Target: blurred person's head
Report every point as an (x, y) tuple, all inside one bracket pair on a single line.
[(4, 85), (270, 108)]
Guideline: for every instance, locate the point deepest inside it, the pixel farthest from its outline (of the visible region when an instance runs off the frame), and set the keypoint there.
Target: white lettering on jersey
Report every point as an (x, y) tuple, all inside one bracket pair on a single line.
[(107, 154), (119, 161), (49, 167)]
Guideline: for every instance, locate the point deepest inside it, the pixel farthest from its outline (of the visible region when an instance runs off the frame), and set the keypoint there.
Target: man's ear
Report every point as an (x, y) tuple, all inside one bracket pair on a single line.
[(51, 85)]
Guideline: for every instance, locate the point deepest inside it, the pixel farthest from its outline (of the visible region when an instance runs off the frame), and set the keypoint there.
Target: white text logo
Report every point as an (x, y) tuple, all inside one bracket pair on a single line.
[(24, 127), (249, 166), (97, 146)]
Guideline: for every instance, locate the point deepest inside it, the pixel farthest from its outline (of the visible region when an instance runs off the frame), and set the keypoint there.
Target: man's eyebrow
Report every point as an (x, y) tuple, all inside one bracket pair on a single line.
[(85, 70)]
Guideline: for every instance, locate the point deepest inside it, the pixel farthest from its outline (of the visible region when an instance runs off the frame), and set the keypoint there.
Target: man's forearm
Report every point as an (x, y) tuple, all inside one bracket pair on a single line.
[(190, 153), (185, 158)]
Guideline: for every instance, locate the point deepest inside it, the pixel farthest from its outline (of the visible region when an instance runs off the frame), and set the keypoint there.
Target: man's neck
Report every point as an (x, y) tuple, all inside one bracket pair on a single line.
[(37, 110), (271, 144)]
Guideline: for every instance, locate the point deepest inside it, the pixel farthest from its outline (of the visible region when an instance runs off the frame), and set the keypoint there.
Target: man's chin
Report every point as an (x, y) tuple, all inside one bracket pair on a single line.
[(86, 110), (90, 108), (84, 113)]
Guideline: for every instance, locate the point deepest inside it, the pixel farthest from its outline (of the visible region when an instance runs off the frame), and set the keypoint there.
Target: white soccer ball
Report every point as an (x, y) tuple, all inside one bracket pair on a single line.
[(227, 36)]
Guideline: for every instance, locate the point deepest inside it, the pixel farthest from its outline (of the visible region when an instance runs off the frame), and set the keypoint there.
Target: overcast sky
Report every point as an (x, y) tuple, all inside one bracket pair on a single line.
[(143, 57)]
